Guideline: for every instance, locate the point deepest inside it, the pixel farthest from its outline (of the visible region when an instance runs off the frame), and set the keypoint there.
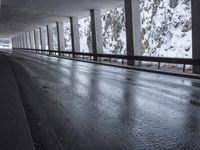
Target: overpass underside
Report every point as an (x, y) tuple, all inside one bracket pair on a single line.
[(54, 103)]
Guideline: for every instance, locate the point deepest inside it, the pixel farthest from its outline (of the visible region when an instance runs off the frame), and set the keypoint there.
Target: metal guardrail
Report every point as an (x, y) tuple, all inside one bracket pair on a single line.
[(159, 60)]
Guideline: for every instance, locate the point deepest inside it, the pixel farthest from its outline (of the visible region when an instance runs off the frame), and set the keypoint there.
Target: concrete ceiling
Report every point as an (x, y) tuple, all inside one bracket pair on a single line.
[(17, 16)]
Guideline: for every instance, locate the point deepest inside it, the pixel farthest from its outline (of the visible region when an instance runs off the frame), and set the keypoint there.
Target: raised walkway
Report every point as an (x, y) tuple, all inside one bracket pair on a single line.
[(14, 128)]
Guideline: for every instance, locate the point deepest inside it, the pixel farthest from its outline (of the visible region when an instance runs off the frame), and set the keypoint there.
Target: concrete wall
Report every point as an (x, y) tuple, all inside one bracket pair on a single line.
[(196, 32)]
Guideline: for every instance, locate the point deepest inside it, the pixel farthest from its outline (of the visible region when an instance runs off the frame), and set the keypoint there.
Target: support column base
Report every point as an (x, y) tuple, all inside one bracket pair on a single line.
[(131, 62), (196, 69)]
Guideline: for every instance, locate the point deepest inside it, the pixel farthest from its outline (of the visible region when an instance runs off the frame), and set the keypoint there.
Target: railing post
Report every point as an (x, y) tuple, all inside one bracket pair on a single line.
[(158, 65), (184, 67), (139, 63)]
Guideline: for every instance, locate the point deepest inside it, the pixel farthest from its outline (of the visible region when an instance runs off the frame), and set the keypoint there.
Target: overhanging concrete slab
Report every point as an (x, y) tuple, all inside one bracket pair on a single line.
[(24, 15)]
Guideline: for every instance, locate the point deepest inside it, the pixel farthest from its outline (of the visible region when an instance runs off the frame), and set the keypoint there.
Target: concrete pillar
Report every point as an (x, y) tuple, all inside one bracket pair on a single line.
[(74, 34), (43, 38), (13, 44), (14, 41), (24, 40), (96, 28), (19, 44), (50, 36), (133, 28), (21, 39), (17, 41), (60, 30), (37, 38), (25, 43), (32, 39), (195, 33), (28, 40)]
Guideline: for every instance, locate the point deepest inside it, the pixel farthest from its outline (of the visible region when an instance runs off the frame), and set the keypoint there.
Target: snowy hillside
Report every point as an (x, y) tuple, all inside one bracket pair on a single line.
[(165, 28)]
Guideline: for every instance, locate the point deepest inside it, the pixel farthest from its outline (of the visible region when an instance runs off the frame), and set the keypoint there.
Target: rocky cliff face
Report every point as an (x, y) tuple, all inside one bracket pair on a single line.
[(165, 28), (114, 31)]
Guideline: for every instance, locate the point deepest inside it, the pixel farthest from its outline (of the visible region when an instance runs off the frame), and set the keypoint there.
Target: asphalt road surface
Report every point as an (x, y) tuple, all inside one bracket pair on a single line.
[(73, 105)]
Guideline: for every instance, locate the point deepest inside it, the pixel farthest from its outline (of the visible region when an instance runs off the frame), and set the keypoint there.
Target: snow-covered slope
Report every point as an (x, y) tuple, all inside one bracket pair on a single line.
[(165, 27)]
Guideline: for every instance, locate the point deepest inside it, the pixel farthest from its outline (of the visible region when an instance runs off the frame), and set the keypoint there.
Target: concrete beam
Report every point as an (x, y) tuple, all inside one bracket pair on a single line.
[(133, 28), (74, 34), (60, 30), (96, 28), (50, 36), (37, 38), (43, 38), (195, 33)]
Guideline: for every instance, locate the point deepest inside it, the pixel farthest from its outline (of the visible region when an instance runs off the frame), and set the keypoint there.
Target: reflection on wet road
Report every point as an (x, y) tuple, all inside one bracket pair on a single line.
[(96, 107)]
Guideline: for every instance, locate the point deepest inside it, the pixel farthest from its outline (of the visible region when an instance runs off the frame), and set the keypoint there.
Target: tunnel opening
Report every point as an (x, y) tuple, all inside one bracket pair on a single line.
[(5, 43)]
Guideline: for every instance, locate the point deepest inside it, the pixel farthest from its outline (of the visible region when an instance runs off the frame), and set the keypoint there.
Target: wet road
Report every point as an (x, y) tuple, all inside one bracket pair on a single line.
[(77, 105)]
